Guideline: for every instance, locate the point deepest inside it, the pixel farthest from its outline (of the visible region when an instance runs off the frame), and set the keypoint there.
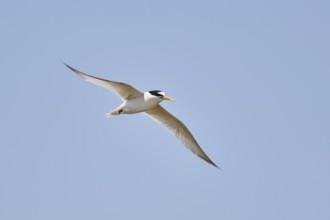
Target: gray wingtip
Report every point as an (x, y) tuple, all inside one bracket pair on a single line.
[(207, 159), (80, 74), (212, 163), (71, 68)]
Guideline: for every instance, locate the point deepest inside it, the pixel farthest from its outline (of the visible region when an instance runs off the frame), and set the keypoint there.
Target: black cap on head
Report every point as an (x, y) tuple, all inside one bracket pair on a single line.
[(157, 93)]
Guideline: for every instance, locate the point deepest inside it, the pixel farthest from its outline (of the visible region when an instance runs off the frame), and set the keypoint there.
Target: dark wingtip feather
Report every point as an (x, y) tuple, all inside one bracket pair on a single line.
[(211, 162), (71, 68)]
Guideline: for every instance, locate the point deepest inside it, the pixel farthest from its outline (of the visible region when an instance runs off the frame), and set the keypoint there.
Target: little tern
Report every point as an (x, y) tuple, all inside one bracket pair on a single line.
[(148, 103)]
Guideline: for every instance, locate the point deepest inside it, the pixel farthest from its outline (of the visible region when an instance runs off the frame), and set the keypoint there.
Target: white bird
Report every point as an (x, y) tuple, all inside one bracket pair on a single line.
[(148, 103)]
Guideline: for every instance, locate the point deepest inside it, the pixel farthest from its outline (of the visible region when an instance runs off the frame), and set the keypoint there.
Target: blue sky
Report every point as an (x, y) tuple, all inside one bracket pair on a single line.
[(250, 79)]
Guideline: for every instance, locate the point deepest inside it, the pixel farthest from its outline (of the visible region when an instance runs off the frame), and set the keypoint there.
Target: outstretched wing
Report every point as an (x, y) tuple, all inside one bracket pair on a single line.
[(177, 128), (123, 90)]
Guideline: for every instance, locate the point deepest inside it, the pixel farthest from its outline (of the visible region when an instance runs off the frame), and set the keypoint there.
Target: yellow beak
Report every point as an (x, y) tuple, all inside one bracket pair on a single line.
[(168, 98)]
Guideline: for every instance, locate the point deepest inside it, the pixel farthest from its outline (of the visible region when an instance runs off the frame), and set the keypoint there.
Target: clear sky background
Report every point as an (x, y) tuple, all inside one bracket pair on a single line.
[(251, 80)]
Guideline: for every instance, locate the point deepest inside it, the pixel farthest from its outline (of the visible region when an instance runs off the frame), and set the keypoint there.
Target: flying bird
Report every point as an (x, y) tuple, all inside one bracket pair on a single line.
[(148, 103)]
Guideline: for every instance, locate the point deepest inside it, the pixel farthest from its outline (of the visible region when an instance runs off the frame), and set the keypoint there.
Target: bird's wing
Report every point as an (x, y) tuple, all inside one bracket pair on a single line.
[(123, 90), (177, 128)]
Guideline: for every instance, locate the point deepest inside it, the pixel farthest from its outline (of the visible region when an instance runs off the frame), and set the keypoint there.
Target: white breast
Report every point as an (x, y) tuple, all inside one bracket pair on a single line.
[(141, 103)]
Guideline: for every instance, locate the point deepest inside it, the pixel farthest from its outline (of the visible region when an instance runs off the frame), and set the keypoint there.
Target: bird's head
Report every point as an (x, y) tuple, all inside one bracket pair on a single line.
[(161, 95)]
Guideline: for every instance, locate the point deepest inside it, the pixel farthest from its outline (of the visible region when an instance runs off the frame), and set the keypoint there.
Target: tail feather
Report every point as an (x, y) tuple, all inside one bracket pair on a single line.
[(109, 114)]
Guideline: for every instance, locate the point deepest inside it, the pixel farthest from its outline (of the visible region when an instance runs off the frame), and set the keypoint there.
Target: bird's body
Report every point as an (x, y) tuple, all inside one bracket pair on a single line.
[(148, 103), (136, 104)]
